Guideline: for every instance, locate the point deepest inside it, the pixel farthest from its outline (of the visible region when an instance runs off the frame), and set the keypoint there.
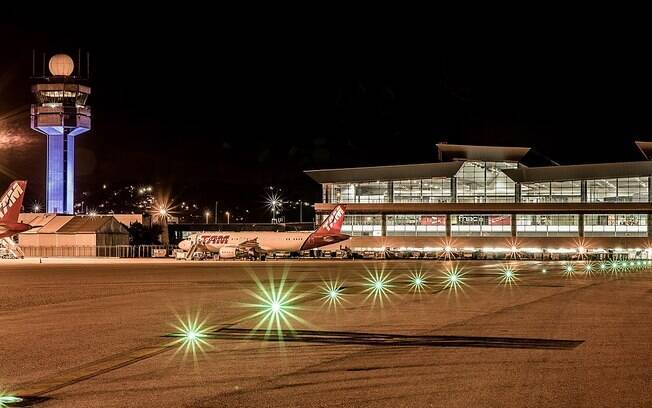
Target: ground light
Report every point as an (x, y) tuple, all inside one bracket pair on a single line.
[(453, 279), (6, 399), (603, 267), (331, 294), (378, 286), (190, 335), (275, 305), (417, 281), (508, 276), (569, 270), (589, 268)]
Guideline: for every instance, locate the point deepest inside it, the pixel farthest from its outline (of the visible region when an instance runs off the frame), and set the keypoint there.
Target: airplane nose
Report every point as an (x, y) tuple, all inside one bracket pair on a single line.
[(185, 245)]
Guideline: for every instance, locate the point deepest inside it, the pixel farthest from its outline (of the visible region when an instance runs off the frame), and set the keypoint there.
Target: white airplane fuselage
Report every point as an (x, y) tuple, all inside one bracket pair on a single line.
[(266, 240), (231, 244)]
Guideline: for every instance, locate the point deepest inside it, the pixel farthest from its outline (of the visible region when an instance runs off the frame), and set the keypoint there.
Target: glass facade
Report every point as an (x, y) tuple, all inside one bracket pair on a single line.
[(363, 225), (434, 190), (632, 189), (483, 225), (410, 224), (620, 225), (484, 182), (552, 192), (565, 225), (371, 192)]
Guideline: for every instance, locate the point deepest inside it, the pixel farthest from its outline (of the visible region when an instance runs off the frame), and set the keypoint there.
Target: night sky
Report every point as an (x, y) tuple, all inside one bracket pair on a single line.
[(218, 108)]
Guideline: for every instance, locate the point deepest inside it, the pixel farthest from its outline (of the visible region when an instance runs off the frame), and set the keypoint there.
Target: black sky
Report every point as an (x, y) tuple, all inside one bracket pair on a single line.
[(219, 106)]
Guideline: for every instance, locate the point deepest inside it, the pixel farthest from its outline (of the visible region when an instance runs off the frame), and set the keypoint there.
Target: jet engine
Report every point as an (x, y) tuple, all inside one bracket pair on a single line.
[(228, 252)]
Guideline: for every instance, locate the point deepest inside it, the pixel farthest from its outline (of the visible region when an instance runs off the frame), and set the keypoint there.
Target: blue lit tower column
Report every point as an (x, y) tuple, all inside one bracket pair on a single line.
[(60, 113)]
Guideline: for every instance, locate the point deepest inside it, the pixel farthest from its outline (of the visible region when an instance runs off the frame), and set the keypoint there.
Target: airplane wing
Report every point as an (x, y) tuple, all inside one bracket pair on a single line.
[(250, 244)]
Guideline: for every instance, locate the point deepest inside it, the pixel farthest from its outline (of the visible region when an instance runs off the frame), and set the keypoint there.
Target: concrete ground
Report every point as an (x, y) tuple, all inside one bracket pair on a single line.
[(91, 334)]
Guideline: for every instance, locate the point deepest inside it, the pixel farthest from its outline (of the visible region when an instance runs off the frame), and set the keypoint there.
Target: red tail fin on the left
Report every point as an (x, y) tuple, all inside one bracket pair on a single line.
[(12, 201)]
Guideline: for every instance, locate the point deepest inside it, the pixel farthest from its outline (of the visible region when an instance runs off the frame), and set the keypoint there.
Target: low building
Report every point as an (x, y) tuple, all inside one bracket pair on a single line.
[(489, 199), (68, 235)]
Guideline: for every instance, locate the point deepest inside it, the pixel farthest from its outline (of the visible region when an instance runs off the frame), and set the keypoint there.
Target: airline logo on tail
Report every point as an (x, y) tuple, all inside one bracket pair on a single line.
[(334, 218), (329, 232), (11, 201), (332, 225)]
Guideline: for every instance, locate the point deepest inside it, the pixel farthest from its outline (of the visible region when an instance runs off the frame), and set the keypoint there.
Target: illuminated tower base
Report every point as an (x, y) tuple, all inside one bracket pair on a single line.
[(60, 189), (61, 114)]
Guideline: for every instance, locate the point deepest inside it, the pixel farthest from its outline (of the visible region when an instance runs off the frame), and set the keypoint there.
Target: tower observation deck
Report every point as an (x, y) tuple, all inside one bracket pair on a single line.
[(61, 113)]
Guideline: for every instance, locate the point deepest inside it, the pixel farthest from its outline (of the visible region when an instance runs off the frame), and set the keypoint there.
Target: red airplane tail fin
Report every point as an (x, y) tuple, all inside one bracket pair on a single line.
[(12, 201), (332, 225)]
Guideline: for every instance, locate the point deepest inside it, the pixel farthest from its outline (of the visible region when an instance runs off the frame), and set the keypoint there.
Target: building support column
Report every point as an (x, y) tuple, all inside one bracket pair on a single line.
[(448, 225), (517, 192), (649, 225), (453, 190), (580, 225), (383, 225), (582, 191), (513, 219), (390, 193)]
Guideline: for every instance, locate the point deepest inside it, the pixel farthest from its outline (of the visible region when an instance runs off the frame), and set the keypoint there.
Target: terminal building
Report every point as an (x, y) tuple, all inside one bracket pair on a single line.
[(492, 202)]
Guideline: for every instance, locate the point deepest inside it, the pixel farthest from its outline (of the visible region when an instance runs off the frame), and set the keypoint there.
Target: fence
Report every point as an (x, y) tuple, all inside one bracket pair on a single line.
[(112, 251)]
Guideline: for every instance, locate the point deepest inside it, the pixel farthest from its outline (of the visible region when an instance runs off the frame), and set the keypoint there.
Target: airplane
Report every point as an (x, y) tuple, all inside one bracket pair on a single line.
[(230, 245), (10, 205)]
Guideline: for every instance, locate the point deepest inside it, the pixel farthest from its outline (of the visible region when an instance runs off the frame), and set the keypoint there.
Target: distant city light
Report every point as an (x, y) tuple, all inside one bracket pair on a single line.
[(162, 208), (273, 202)]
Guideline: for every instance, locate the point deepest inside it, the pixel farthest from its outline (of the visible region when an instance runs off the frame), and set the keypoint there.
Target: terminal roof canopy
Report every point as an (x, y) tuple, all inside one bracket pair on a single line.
[(645, 148), (385, 173), (533, 167), (580, 172), (448, 152)]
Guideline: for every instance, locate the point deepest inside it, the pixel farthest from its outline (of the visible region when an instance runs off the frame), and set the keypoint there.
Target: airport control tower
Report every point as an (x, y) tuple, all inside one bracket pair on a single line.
[(61, 113)]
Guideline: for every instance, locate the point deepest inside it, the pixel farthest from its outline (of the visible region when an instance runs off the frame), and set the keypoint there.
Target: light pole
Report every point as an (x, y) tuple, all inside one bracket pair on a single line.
[(163, 214), (207, 214), (228, 217)]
